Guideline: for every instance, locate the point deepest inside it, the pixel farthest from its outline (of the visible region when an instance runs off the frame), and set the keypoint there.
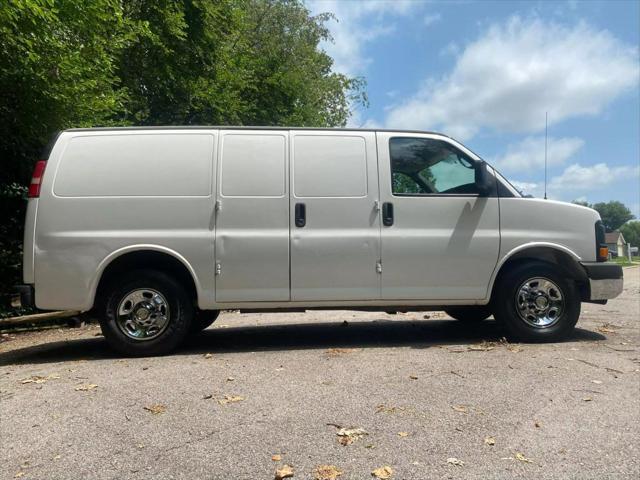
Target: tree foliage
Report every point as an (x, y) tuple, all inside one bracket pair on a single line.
[(78, 63), (614, 214), (631, 233)]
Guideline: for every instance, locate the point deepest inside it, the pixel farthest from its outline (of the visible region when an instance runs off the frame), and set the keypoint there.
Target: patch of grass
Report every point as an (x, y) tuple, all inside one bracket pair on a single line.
[(624, 261)]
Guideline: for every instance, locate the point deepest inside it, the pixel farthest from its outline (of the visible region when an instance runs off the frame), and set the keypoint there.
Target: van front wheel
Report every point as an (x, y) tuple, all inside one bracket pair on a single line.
[(146, 313), (536, 303)]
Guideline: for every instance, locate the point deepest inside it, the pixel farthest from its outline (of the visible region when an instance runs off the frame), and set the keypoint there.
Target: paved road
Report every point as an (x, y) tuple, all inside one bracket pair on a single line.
[(260, 385)]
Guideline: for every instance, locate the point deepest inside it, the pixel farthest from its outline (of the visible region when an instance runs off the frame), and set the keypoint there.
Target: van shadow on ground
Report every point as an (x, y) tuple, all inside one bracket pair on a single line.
[(300, 336)]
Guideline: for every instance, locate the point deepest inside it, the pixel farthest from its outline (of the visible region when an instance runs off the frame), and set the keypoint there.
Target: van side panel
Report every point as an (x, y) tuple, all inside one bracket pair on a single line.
[(112, 191), (534, 221)]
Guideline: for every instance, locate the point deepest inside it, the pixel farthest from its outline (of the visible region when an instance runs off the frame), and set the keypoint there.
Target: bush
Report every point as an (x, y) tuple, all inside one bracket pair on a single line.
[(12, 210)]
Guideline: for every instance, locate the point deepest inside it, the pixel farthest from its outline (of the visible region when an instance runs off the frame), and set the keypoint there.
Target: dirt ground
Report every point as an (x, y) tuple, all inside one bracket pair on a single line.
[(433, 398)]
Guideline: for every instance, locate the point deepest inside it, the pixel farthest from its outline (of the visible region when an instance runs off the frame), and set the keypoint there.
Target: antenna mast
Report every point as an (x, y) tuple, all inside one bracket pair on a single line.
[(546, 116)]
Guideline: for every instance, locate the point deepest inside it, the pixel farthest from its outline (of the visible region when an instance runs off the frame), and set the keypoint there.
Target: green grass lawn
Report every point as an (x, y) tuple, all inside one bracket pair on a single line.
[(624, 261)]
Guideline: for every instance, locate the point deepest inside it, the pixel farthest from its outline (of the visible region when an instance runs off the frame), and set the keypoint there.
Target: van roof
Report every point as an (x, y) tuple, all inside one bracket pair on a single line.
[(248, 127)]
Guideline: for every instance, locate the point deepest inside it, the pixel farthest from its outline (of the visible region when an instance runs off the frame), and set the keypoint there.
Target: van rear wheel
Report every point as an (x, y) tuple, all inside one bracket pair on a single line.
[(471, 313), (536, 303), (146, 312)]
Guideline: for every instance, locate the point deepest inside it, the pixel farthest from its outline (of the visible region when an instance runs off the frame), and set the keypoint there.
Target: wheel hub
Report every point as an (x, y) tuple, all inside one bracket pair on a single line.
[(539, 302), (143, 314), (542, 302)]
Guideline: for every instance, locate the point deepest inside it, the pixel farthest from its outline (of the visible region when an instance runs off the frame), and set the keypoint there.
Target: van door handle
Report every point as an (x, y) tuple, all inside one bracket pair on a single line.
[(301, 215), (387, 214)]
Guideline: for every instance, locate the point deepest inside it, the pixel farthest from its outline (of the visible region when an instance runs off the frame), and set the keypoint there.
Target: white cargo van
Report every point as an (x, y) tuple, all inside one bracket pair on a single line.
[(157, 229)]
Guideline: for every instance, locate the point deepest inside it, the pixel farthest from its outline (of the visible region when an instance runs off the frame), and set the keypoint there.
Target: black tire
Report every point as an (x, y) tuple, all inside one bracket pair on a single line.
[(506, 299), (470, 313), (203, 320), (180, 315)]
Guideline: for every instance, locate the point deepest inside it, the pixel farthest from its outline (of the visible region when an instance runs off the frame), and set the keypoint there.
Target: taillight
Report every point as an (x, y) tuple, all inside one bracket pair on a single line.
[(36, 179)]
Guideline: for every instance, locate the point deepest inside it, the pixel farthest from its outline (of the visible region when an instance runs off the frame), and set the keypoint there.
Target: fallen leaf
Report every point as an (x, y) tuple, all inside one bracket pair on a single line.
[(597, 382), (327, 472), (460, 408), (537, 424), (156, 408), (490, 441), (40, 378), (481, 347), (455, 461), (522, 458), (382, 472), (207, 396), (336, 352), (285, 472), (605, 330), (457, 349), (403, 434), (18, 475), (86, 387), (587, 399), (346, 436), (276, 458), (413, 377), (382, 408), (230, 399), (208, 355)]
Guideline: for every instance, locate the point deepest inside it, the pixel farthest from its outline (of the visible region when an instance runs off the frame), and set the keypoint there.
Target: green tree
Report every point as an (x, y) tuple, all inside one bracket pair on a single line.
[(57, 70), (614, 214), (631, 233), (246, 62)]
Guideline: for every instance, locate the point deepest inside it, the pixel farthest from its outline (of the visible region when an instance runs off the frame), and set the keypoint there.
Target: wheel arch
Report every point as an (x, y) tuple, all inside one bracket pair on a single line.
[(558, 255), (144, 256)]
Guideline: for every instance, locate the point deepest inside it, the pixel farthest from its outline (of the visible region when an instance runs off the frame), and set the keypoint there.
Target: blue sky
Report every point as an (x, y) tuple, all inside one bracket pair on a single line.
[(486, 72)]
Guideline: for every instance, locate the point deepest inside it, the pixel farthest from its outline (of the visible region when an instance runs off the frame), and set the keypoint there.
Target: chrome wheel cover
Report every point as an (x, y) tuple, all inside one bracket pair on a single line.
[(143, 314), (539, 302)]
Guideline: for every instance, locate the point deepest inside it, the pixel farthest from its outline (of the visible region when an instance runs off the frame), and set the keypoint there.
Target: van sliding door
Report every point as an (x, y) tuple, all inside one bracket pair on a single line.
[(335, 228), (252, 216)]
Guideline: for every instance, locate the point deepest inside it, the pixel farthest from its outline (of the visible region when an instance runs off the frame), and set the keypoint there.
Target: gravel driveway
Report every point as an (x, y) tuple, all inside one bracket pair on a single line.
[(429, 398)]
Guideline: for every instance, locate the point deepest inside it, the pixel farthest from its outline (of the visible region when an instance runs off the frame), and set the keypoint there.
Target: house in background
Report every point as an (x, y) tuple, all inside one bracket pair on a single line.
[(616, 243)]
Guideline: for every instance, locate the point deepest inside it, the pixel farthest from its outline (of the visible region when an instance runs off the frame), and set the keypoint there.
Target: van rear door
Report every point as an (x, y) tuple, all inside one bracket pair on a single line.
[(335, 228)]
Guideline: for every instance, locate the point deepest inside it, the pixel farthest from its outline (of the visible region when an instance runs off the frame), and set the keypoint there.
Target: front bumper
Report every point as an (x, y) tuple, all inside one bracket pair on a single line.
[(24, 297), (605, 280)]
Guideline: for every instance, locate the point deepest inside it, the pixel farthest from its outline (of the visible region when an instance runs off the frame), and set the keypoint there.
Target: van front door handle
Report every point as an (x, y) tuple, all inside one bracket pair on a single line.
[(301, 215), (387, 214)]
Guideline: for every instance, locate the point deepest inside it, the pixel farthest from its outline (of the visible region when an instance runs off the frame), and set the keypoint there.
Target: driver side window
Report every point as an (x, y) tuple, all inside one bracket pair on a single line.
[(425, 166)]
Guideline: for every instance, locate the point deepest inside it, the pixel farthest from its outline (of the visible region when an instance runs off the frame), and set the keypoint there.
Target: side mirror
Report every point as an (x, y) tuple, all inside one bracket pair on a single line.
[(485, 182)]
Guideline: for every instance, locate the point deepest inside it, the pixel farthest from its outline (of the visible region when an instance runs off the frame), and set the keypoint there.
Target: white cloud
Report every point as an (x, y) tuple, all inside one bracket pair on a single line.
[(357, 23), (528, 154), (431, 18), (577, 181), (586, 178), (508, 78), (528, 188), (356, 120)]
